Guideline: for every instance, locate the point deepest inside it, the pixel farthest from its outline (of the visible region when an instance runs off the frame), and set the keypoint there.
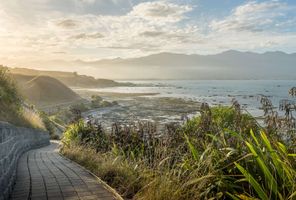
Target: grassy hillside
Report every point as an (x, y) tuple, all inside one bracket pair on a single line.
[(43, 90), (12, 107), (71, 79)]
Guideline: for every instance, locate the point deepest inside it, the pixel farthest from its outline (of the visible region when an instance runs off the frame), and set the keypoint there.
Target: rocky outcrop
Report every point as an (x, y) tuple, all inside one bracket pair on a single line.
[(14, 141)]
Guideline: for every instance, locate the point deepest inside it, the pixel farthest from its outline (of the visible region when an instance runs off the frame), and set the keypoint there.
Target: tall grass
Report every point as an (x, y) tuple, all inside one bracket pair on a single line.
[(12, 108), (10, 100), (214, 156), (274, 166), (33, 119)]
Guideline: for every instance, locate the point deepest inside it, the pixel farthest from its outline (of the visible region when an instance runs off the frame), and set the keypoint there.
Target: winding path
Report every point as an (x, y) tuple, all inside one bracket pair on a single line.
[(44, 174)]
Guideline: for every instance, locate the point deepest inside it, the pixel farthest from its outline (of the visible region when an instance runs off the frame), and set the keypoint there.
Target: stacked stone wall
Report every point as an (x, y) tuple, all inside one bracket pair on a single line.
[(14, 141)]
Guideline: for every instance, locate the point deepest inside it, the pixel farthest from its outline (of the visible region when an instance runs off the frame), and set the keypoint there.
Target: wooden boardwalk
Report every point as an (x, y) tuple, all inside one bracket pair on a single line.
[(43, 174)]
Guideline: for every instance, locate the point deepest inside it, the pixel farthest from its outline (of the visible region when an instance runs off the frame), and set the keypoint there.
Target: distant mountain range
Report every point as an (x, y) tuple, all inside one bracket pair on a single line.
[(175, 59), (227, 65)]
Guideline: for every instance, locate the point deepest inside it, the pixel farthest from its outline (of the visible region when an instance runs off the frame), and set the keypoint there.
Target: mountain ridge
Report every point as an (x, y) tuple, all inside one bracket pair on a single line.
[(231, 64), (119, 59)]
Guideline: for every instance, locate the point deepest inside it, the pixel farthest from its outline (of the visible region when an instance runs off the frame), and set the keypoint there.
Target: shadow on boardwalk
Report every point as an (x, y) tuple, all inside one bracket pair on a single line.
[(44, 174)]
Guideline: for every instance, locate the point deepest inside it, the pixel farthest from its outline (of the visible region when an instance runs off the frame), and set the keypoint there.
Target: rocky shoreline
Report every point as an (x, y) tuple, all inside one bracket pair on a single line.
[(134, 107)]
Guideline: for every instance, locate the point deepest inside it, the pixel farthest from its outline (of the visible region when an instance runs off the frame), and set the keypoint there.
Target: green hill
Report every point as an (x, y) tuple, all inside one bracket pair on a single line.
[(12, 107), (71, 79), (44, 90)]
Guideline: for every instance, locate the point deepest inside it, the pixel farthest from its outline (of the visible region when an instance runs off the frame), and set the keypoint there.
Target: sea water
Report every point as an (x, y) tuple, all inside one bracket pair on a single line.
[(215, 92)]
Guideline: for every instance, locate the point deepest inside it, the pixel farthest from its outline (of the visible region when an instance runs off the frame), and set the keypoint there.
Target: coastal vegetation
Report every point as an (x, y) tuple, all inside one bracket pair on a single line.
[(36, 99), (221, 154), (98, 102), (70, 113), (13, 109)]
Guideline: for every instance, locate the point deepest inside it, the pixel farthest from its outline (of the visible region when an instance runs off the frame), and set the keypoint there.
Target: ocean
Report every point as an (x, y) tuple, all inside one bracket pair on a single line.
[(215, 92)]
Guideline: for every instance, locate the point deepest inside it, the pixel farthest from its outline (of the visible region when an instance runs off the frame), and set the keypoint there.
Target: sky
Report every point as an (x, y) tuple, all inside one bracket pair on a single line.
[(45, 30)]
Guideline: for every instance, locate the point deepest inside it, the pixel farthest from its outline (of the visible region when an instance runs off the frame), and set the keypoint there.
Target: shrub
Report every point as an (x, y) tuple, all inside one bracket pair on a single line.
[(82, 107), (213, 156), (96, 101), (47, 123), (10, 100), (86, 134)]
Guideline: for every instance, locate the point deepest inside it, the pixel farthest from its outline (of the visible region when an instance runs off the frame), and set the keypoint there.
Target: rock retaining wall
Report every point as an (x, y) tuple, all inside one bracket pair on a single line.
[(14, 141)]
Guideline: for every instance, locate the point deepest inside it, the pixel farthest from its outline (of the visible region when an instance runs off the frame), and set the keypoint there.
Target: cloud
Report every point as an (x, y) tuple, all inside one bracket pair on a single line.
[(87, 36), (152, 33), (179, 36), (68, 23), (88, 1), (160, 10), (59, 52), (134, 30), (91, 29), (131, 31), (252, 16), (135, 46)]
